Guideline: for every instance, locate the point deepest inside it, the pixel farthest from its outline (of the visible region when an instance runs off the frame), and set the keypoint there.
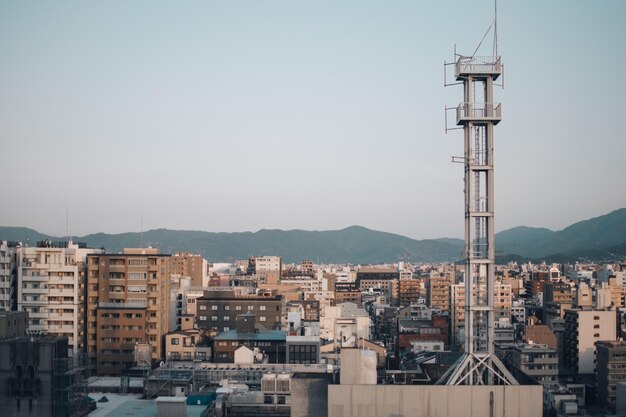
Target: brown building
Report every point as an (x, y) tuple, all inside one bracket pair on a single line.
[(409, 291), (128, 303), (271, 343), (188, 265), (433, 330), (218, 309), (347, 292), (439, 293), (13, 323)]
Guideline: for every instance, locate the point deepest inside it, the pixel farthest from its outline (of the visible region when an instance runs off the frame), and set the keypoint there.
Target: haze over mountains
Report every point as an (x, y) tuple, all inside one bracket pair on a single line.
[(599, 238)]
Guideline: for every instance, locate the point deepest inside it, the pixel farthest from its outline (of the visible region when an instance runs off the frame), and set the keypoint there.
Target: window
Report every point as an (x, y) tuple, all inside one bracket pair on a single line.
[(202, 318), (174, 340), (262, 308), (226, 318), (202, 307), (226, 308), (237, 307), (250, 308), (262, 318), (213, 318), (214, 308), (226, 329)]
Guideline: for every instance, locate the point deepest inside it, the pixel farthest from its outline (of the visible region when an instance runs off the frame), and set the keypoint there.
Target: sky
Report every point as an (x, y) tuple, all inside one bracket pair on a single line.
[(230, 116)]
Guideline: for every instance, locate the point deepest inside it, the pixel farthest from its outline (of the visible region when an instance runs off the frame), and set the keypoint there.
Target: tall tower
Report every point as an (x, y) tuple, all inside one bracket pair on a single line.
[(477, 115)]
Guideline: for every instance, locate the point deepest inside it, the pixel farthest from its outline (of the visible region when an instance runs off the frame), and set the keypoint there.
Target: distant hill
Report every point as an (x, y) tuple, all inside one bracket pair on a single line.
[(600, 238), (353, 244)]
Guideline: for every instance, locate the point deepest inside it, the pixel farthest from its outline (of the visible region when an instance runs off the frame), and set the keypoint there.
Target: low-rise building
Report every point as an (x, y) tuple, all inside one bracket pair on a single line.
[(537, 361)]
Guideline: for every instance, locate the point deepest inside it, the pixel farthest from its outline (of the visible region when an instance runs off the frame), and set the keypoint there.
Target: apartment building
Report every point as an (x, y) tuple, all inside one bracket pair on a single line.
[(8, 276), (583, 328), (439, 292), (410, 290), (537, 361), (218, 309), (51, 289), (611, 369), (128, 302), (347, 292), (188, 265), (381, 278), (269, 269)]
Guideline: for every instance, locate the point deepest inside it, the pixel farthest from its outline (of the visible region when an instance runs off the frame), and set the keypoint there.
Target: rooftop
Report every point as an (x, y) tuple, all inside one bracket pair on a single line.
[(270, 335)]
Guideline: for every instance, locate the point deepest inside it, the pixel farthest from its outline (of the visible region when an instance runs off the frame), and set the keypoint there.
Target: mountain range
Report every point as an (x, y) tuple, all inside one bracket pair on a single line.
[(599, 238)]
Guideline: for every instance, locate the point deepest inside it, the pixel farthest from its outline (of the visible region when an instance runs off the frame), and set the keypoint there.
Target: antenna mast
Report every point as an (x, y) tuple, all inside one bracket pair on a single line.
[(477, 115)]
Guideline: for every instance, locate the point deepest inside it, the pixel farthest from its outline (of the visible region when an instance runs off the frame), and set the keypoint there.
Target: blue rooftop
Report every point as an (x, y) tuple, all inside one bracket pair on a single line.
[(270, 335)]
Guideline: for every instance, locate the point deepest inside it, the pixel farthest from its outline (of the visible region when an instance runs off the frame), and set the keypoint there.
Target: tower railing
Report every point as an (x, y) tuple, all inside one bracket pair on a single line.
[(476, 65), (467, 112)]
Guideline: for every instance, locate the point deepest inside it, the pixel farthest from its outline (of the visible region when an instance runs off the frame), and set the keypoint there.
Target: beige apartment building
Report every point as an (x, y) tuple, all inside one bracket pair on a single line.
[(187, 265), (51, 289), (127, 303), (439, 292)]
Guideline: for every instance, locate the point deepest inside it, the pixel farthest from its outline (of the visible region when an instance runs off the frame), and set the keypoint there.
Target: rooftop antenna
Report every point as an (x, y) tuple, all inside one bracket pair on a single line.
[(67, 224), (141, 231)]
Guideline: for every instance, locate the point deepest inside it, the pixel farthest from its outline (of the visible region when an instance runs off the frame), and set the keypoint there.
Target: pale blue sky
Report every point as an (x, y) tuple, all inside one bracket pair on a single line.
[(241, 115)]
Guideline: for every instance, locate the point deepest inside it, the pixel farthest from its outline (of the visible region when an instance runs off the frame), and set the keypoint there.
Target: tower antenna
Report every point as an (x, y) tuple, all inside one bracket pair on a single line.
[(141, 232)]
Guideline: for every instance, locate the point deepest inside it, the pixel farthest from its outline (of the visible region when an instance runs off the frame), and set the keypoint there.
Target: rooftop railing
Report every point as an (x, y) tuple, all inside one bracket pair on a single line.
[(476, 65)]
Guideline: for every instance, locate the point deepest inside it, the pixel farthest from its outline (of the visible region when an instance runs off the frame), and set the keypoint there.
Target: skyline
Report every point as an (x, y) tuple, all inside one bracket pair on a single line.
[(240, 117)]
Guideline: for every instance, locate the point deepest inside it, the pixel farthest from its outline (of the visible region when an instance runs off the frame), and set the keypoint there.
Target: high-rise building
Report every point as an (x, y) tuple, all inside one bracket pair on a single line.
[(128, 302), (439, 292), (51, 288)]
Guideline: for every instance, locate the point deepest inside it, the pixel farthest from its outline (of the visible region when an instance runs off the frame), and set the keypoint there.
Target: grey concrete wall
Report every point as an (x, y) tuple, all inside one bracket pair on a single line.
[(309, 397), (434, 401)]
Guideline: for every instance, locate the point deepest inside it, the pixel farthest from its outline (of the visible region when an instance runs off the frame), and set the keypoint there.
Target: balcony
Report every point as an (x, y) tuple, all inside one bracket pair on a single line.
[(478, 66), (35, 277), (478, 113)]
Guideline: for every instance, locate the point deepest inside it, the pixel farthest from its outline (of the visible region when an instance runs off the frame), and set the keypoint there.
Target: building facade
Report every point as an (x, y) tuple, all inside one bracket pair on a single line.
[(8, 276), (583, 328), (51, 289), (127, 303)]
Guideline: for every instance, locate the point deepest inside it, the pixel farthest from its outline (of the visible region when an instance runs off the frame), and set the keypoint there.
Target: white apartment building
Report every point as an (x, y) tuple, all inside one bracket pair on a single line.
[(7, 276), (51, 288)]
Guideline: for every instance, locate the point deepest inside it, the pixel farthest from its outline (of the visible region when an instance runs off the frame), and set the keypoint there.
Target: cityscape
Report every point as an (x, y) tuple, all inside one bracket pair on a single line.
[(142, 142)]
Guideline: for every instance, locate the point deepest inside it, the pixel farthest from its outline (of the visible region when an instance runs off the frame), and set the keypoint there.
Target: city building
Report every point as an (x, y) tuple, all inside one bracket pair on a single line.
[(37, 378), (268, 269), (8, 276), (188, 343), (128, 303), (51, 289), (583, 328), (347, 292), (537, 361), (13, 323), (610, 369), (269, 343), (218, 309), (438, 291), (188, 265)]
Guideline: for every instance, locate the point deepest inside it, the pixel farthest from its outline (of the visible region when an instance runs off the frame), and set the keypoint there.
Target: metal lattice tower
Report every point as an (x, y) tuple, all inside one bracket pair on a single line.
[(477, 115)]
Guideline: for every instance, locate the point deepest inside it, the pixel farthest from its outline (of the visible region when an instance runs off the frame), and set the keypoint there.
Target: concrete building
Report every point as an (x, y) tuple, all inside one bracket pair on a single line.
[(268, 269), (8, 276), (377, 278), (193, 266), (354, 398), (610, 369), (345, 324), (438, 292), (583, 328), (37, 378), (540, 362), (410, 290), (187, 344), (13, 323), (218, 309), (270, 343), (128, 302), (51, 288), (347, 292)]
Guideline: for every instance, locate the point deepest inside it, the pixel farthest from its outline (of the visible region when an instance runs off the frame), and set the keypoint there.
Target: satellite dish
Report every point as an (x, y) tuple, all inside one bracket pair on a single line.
[(162, 364)]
